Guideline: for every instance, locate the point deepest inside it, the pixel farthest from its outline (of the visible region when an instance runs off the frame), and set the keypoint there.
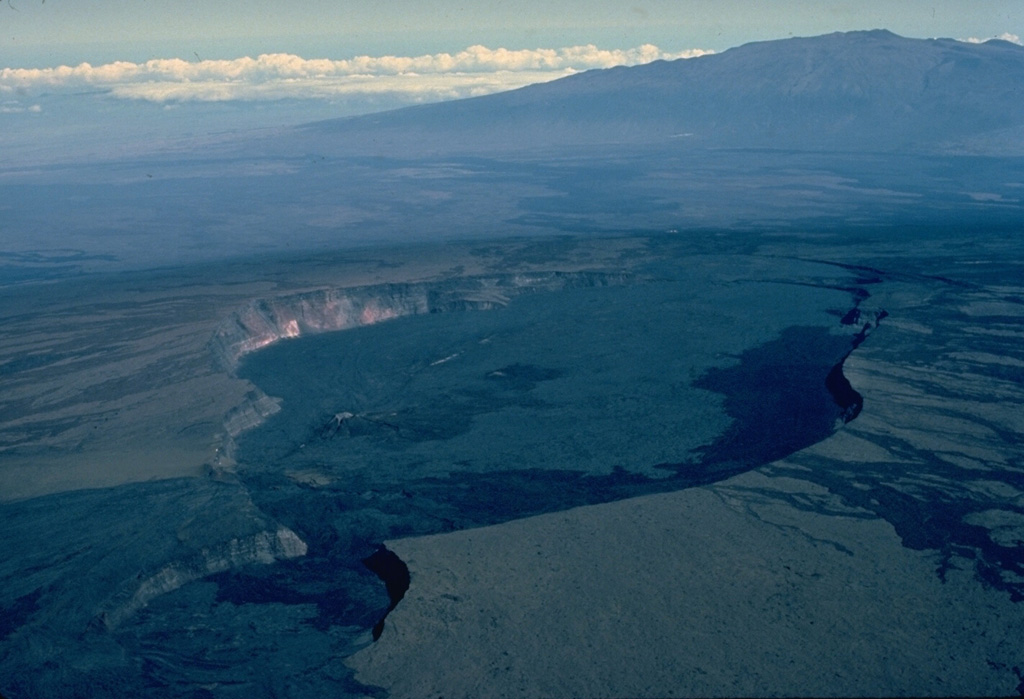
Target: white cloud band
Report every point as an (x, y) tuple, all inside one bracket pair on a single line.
[(476, 70), (1005, 36)]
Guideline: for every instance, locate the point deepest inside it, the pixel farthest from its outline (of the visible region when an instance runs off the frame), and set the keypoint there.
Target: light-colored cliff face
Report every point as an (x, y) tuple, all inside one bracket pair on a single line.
[(263, 547), (255, 409), (265, 321)]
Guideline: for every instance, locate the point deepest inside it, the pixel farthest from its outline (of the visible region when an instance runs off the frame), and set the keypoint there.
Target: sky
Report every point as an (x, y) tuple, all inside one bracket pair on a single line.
[(49, 32), (67, 63)]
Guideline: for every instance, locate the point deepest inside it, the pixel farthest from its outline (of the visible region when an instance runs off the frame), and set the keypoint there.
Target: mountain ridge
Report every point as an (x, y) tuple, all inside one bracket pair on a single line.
[(852, 91)]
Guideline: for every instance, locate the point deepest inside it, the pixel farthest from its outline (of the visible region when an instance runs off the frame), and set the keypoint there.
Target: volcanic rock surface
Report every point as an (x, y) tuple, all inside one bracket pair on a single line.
[(885, 560)]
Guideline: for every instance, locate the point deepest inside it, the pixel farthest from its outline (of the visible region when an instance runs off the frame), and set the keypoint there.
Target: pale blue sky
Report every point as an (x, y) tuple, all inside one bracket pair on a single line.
[(50, 32)]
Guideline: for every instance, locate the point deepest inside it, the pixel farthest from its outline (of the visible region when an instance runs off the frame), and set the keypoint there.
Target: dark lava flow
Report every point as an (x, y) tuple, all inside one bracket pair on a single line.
[(777, 396)]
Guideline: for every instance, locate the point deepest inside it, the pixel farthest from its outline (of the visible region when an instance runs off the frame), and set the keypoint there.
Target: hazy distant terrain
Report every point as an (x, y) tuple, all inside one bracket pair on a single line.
[(693, 378), (860, 132), (850, 93)]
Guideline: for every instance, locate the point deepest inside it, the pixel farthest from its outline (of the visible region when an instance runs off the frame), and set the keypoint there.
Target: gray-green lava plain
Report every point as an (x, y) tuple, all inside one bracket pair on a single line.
[(386, 395)]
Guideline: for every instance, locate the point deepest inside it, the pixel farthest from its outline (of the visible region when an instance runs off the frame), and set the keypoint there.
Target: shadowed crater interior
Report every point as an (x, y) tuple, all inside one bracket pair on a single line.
[(435, 423)]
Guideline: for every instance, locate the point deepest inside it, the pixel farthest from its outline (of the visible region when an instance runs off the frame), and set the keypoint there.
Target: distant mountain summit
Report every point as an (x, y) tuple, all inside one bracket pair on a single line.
[(855, 91)]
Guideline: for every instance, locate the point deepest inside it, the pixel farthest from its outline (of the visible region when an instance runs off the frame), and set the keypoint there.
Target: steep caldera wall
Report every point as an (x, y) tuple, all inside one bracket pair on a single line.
[(260, 548), (265, 321)]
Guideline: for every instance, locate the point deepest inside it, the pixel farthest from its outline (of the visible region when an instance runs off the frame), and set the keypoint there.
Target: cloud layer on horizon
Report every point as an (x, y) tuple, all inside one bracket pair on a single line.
[(477, 70), (1005, 36)]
